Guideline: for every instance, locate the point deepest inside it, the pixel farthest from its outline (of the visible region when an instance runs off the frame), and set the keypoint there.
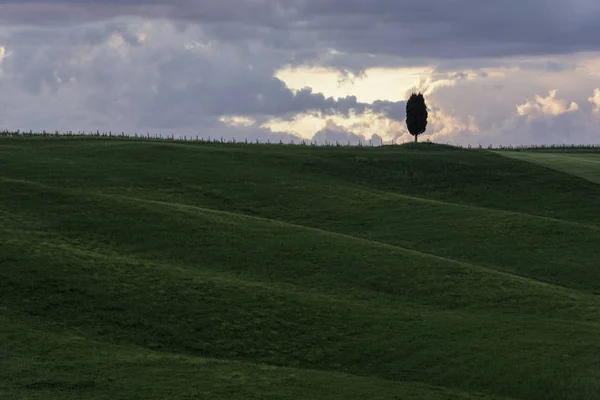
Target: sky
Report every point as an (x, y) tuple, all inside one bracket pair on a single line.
[(510, 72)]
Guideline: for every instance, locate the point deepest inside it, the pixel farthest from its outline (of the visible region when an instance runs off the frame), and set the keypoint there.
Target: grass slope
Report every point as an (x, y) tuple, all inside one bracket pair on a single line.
[(46, 362), (226, 270), (584, 165)]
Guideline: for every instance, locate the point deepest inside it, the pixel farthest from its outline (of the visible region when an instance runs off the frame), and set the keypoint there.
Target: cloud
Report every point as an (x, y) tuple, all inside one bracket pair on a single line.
[(442, 127), (210, 68), (550, 105), (376, 140), (506, 107), (119, 76), (595, 100), (566, 128), (434, 80), (394, 110), (428, 28), (332, 133), (250, 132), (457, 29)]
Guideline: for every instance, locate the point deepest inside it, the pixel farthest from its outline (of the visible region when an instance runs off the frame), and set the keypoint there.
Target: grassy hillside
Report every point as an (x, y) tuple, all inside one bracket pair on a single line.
[(185, 270), (584, 165)]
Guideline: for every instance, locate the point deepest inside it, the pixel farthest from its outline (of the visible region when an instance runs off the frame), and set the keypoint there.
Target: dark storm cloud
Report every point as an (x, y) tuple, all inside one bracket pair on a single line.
[(251, 97), (426, 28)]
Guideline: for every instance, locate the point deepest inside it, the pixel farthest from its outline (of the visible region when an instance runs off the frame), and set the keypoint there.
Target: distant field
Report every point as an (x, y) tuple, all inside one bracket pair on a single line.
[(584, 165), (151, 270)]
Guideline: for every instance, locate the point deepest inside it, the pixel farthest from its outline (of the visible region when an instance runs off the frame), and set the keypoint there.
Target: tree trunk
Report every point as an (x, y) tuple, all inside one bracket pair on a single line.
[(416, 136)]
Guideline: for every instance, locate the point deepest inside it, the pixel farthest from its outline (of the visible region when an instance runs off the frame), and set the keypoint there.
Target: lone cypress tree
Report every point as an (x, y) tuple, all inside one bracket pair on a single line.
[(416, 115)]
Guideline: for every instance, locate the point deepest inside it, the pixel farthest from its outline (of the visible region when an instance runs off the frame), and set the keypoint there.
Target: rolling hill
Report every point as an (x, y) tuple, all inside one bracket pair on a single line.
[(156, 269), (585, 165)]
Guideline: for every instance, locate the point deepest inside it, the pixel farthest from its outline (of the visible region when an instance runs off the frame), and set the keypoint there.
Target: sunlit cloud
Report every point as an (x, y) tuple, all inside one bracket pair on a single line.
[(595, 100), (550, 105), (234, 121), (375, 83)]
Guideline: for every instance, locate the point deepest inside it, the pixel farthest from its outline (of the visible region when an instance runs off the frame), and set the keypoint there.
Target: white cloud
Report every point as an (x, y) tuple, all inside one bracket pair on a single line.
[(550, 105)]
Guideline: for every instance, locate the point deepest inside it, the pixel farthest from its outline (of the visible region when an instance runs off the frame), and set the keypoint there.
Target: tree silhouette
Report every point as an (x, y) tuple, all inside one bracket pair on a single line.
[(416, 115)]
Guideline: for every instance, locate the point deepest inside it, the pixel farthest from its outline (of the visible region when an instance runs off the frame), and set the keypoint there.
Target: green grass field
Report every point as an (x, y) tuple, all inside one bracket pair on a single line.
[(154, 270), (584, 165)]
